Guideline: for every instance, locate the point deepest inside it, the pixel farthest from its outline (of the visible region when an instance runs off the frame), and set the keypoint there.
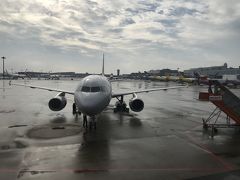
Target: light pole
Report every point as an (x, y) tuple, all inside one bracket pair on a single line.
[(3, 58)]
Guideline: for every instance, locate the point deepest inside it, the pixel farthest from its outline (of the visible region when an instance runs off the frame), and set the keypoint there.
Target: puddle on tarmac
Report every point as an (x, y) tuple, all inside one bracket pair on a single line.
[(54, 131)]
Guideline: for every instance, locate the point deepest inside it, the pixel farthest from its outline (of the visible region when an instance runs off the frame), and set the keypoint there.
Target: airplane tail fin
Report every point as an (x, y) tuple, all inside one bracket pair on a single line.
[(103, 66)]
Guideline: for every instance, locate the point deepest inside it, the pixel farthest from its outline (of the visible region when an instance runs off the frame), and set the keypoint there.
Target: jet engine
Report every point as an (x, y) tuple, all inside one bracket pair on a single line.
[(136, 104), (58, 102)]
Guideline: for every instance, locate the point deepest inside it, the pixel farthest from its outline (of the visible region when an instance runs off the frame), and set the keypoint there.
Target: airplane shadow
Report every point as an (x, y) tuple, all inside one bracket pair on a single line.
[(135, 122), (94, 151)]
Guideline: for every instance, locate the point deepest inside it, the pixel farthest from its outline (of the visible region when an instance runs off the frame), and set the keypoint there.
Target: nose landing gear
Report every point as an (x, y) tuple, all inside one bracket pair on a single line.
[(85, 123), (92, 123)]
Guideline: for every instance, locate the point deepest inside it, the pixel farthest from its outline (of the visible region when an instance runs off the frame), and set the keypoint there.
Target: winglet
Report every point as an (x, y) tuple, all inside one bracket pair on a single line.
[(103, 66)]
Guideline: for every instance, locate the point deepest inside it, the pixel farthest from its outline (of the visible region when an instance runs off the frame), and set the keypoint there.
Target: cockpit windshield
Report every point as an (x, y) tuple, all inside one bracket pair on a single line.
[(95, 89), (86, 89), (91, 89)]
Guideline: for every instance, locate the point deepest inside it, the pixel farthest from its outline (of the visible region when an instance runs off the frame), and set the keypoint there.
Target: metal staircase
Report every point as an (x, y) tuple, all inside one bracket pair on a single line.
[(225, 101)]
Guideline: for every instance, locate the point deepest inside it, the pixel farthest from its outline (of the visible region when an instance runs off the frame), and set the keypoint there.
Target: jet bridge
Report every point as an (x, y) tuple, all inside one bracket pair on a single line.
[(226, 102)]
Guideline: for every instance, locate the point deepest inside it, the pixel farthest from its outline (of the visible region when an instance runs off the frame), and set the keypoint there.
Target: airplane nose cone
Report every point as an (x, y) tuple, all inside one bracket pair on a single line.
[(93, 104), (91, 108)]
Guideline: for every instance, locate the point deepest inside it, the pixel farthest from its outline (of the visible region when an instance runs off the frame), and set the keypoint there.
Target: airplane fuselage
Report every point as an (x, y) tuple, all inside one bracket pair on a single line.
[(93, 94)]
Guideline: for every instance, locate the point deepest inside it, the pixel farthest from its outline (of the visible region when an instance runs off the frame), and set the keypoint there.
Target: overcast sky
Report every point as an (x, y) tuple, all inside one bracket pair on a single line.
[(135, 35)]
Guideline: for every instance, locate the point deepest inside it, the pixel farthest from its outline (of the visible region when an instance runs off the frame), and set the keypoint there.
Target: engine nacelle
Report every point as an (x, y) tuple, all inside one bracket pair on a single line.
[(136, 104), (57, 103)]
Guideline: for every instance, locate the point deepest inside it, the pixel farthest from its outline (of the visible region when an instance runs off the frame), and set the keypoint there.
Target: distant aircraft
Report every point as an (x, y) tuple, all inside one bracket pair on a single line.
[(93, 95)]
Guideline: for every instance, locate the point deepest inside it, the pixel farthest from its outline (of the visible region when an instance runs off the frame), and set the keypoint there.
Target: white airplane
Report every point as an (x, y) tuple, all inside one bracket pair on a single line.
[(93, 95)]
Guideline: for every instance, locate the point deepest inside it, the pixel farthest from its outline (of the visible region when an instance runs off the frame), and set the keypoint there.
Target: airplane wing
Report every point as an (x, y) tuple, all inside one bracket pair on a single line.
[(43, 88), (146, 91)]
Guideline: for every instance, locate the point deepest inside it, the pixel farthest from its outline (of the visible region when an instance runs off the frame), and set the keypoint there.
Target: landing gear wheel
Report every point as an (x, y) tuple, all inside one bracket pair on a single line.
[(90, 125), (95, 125), (74, 109), (85, 124), (121, 107)]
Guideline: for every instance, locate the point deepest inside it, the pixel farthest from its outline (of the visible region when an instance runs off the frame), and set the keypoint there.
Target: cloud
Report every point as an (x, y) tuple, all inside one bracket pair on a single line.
[(134, 28)]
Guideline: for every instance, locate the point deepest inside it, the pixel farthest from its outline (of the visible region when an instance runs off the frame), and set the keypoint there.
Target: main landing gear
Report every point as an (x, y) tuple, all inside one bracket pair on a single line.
[(120, 105)]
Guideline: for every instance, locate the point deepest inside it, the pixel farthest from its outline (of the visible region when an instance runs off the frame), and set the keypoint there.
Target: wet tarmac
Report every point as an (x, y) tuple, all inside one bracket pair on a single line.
[(164, 141)]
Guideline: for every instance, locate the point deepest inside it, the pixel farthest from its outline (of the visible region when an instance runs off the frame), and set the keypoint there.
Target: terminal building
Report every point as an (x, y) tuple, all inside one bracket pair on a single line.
[(164, 72), (213, 71)]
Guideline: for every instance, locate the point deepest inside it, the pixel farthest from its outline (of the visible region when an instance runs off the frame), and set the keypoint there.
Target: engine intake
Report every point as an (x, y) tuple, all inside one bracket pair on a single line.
[(136, 104), (57, 103)]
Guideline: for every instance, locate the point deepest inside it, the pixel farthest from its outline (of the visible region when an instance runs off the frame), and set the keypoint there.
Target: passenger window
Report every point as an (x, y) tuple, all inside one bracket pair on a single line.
[(95, 89), (85, 89)]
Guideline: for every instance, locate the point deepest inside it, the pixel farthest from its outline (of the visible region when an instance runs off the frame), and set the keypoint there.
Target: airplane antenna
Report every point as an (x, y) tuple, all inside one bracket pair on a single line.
[(103, 66)]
